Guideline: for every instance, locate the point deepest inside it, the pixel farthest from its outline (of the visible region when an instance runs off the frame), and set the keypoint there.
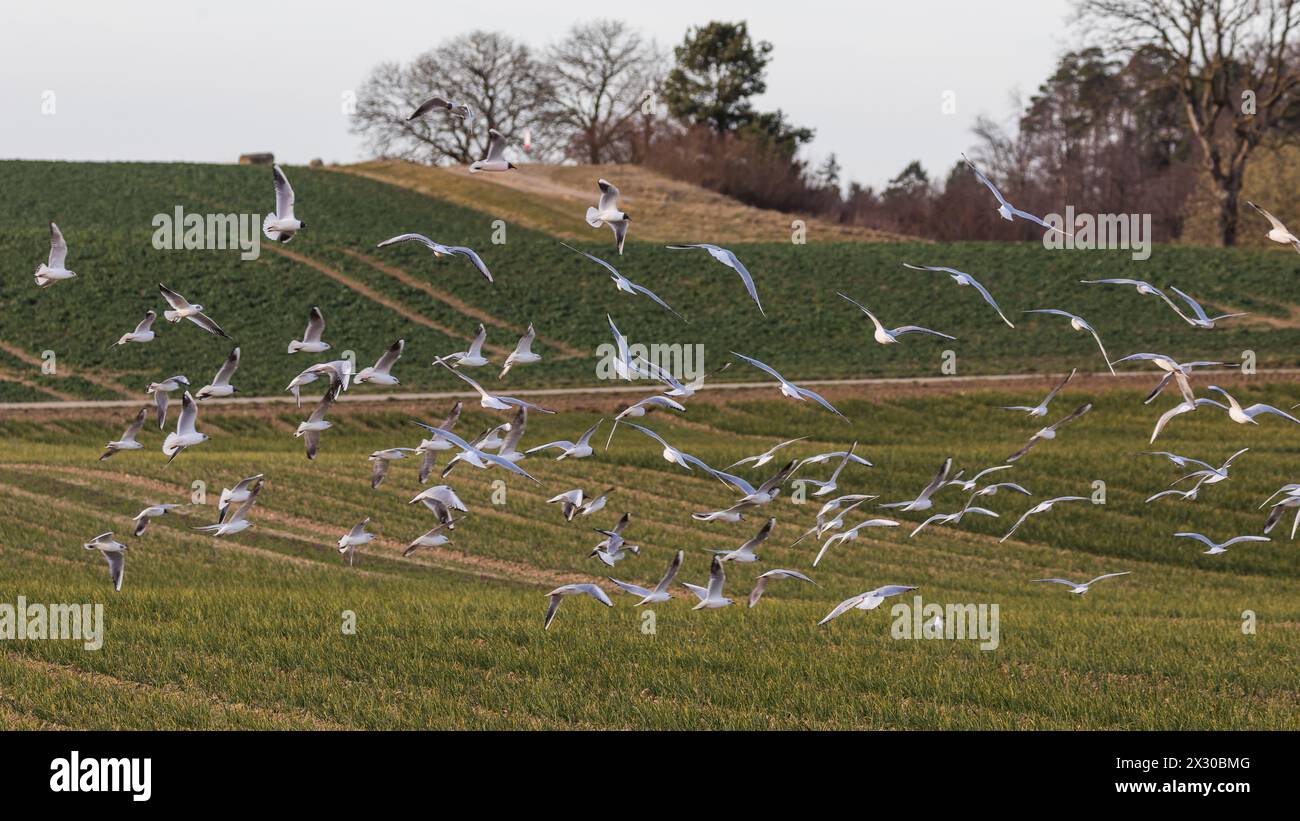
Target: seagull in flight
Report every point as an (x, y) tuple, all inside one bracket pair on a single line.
[(558, 595), (573, 502), (639, 409), (143, 331), (127, 441), (951, 518), (113, 552), (790, 389), (711, 597), (220, 385), (237, 521), (1143, 287), (580, 449), (456, 109), (439, 250), (185, 436), (496, 155), (431, 538), (765, 492), (1041, 507), (922, 502), (1041, 408), (143, 518), (492, 401), (354, 538), (311, 429), (311, 338), (886, 336), (441, 500), (832, 484), (1174, 371), (745, 553), (472, 358), (1215, 548), (160, 391), (378, 373), (431, 446), (730, 260), (614, 548), (869, 600), (1199, 318), (1078, 323), (523, 352), (235, 495), (54, 269), (1049, 432), (182, 308), (968, 485), (851, 534), (672, 454), (1279, 232), (475, 456), (381, 459), (607, 213), (340, 371), (282, 226), (1008, 211), (660, 592), (1080, 589), (766, 456), (826, 523), (764, 579), (624, 284), (1246, 416), (962, 278)]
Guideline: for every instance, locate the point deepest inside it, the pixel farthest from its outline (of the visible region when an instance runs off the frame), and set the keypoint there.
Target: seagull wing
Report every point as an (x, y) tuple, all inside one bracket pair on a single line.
[(473, 257), (283, 194), (496, 146), (315, 326), (227, 369), (58, 247), (428, 105)]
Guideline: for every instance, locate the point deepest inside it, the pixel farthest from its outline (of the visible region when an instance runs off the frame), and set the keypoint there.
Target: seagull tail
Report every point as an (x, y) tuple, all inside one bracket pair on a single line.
[(593, 218), (270, 232)]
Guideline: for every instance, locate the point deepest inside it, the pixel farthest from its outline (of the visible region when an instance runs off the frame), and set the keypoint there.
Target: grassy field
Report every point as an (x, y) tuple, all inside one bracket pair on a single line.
[(247, 631), (372, 296)]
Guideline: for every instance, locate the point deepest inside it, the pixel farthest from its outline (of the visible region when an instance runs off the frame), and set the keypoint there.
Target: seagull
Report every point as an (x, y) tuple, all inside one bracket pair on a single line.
[(1041, 507), (557, 595), (711, 596), (575, 501), (354, 538), (1181, 408), (962, 278), (431, 538), (1246, 416), (311, 429), (660, 592), (238, 521), (676, 389), (730, 260), (1185, 494), (311, 341), (1078, 323), (869, 600), (1049, 432), (1080, 589), (183, 309), (54, 269), (160, 391), (282, 226), (1216, 549), (1041, 408), (951, 518), (624, 284), (113, 552), (832, 484), (851, 534), (991, 490), (817, 459), (1279, 510), (766, 456), (440, 250), (185, 435), (1279, 232), (473, 358), (578, 450), (825, 524), (441, 500), (1006, 210), (1173, 371), (143, 517), (790, 389), (220, 385), (492, 401), (1212, 475), (1143, 287), (733, 514), (607, 213), (969, 484), (890, 337), (615, 548), (506, 445), (672, 454), (496, 155), (379, 372), (431, 446), (381, 459), (1180, 461), (340, 371), (459, 110), (922, 502), (1199, 318), (766, 578), (143, 332), (476, 454), (127, 442), (235, 495), (639, 409), (523, 352), (745, 553)]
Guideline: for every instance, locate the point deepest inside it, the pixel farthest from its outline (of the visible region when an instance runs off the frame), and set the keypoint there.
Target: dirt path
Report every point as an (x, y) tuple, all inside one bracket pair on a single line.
[(93, 378)]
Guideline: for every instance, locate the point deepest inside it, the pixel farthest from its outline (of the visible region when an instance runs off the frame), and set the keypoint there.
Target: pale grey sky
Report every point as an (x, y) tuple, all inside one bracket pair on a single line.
[(165, 81)]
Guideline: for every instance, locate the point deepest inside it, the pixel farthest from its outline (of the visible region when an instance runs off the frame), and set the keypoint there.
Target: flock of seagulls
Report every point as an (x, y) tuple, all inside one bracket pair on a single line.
[(840, 520)]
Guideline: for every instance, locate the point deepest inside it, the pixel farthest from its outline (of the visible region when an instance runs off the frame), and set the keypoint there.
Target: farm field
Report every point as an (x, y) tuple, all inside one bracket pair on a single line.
[(372, 296), (245, 631)]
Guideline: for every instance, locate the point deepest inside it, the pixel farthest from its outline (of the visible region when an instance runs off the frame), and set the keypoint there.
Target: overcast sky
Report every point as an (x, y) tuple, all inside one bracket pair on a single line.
[(164, 81)]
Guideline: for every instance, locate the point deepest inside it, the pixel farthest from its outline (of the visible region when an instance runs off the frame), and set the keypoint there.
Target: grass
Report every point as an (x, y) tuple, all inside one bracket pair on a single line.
[(246, 631)]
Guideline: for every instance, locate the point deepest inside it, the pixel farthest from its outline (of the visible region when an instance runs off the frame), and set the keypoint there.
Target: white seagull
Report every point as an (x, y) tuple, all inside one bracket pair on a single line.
[(1006, 210), (745, 553), (311, 338), (340, 371), (639, 409), (1080, 589), (558, 595), (127, 441), (431, 538), (185, 436), (851, 534), (711, 597), (766, 456), (160, 391), (182, 308), (55, 270), (472, 358), (730, 260), (1143, 287), (962, 278), (624, 284), (496, 155), (282, 225), (790, 389), (143, 518), (523, 352), (1221, 547), (220, 385), (143, 331), (431, 446), (440, 250), (378, 373), (477, 457), (456, 109), (887, 336), (1049, 432), (660, 592), (354, 538), (922, 502), (607, 213), (1199, 318), (1041, 408), (672, 454), (1279, 232), (237, 521), (580, 449), (1078, 323), (869, 600), (310, 430), (573, 502), (1041, 507), (492, 401), (766, 578), (1246, 416), (235, 495), (381, 459), (112, 550)]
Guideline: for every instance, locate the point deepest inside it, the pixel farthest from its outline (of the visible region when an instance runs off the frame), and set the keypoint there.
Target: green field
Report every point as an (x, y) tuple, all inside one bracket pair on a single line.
[(810, 332), (247, 631)]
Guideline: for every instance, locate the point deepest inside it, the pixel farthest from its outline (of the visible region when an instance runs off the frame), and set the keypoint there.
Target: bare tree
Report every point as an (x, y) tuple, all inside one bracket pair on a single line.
[(603, 77), (498, 78), (1236, 69)]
